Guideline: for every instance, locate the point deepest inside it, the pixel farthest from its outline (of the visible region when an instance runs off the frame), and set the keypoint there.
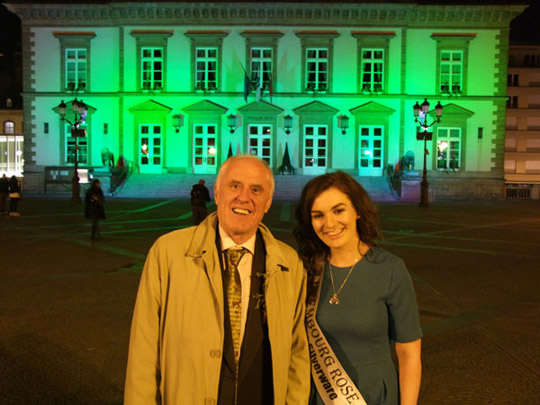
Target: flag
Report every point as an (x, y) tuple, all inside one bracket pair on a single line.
[(271, 87), (258, 90), (247, 86)]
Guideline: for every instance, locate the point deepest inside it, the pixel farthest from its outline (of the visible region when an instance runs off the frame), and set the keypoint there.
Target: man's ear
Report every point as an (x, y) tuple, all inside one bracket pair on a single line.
[(268, 205), (216, 194)]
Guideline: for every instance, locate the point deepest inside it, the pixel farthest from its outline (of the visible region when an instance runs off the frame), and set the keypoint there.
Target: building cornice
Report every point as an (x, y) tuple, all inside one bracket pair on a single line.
[(266, 14)]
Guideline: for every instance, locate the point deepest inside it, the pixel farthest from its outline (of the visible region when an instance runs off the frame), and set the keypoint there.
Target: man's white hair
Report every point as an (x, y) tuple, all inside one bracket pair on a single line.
[(225, 164)]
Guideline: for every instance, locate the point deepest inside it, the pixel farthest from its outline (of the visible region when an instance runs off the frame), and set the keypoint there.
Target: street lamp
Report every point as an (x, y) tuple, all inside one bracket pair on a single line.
[(80, 111), (420, 117)]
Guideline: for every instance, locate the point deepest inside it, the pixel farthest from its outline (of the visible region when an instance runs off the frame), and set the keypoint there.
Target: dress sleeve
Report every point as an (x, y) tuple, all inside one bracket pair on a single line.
[(402, 307)]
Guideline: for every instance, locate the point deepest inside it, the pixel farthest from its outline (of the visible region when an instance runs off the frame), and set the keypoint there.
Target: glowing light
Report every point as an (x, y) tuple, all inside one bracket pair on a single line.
[(212, 151)]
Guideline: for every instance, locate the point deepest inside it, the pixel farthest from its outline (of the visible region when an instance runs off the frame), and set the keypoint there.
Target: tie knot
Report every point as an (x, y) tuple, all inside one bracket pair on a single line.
[(234, 256)]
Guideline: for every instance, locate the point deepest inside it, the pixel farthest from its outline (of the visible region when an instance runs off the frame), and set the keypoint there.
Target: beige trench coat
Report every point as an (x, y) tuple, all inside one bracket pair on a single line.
[(177, 330)]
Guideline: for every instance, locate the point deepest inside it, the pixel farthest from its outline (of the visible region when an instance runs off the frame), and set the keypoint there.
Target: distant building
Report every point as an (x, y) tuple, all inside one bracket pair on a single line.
[(522, 145), (11, 140), (177, 87)]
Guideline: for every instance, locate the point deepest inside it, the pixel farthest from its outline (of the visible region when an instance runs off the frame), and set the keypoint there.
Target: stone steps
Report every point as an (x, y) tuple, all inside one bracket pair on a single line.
[(287, 187)]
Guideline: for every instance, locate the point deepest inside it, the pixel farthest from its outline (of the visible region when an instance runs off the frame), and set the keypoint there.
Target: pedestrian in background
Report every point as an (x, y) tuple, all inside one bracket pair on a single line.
[(4, 192), (94, 207), (199, 197), (14, 196)]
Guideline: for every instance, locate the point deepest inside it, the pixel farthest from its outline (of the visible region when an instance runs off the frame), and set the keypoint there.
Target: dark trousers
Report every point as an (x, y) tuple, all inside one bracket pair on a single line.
[(3, 198), (95, 228), (13, 204), (199, 214)]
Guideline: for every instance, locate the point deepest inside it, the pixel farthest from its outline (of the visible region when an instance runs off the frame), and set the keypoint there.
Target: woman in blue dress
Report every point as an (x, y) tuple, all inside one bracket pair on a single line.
[(361, 300)]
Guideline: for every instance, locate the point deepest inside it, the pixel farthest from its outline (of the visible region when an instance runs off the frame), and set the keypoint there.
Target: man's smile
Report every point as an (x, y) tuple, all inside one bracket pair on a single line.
[(241, 211)]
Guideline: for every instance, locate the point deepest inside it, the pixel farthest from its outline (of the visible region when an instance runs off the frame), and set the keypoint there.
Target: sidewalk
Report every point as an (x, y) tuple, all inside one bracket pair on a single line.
[(67, 301)]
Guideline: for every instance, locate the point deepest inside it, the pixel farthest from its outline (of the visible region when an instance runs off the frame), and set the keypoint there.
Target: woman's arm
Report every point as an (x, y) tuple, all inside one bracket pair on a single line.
[(410, 371)]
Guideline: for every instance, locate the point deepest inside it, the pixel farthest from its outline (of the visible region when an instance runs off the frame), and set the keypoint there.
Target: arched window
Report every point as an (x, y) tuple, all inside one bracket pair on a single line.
[(9, 127)]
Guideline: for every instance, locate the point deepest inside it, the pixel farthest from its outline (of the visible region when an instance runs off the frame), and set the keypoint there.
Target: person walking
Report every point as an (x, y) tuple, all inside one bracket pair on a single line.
[(4, 192), (199, 197), (94, 209), (14, 196)]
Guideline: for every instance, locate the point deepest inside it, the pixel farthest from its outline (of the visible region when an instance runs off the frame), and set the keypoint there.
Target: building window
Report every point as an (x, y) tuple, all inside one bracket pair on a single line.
[(372, 69), (151, 57), (151, 68), (512, 102), (261, 48), (206, 69), (261, 67), (206, 48), (9, 127), (75, 66), (317, 51), (260, 142), (11, 155), (449, 149), (513, 80), (316, 69), (373, 59), (451, 72), (71, 143), (532, 60), (452, 62), (76, 69)]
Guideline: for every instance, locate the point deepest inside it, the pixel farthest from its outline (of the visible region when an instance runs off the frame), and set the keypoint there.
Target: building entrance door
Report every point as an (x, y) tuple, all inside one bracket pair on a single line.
[(204, 148), (260, 142), (315, 149), (370, 153), (150, 148)]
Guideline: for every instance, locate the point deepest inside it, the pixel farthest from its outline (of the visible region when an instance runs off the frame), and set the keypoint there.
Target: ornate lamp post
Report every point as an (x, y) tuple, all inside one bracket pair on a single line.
[(80, 111), (420, 117)]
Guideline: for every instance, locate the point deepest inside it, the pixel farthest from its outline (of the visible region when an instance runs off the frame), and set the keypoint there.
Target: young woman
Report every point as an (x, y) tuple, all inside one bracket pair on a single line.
[(360, 300), (94, 209)]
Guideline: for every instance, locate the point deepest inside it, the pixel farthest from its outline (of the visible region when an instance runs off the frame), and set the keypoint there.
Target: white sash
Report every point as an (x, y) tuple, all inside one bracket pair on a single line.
[(335, 387)]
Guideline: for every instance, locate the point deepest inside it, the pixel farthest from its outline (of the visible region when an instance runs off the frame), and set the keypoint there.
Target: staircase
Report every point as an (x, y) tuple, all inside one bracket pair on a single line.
[(288, 188)]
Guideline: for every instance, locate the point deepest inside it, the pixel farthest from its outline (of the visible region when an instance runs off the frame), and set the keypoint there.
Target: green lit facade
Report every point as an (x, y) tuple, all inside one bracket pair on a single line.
[(333, 83)]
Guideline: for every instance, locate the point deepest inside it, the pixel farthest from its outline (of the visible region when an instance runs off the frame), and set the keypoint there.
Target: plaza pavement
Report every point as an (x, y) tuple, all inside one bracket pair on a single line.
[(66, 301)]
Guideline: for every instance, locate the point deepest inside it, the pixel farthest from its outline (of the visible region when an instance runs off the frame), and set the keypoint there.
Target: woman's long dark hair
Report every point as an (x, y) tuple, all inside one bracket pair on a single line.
[(311, 249)]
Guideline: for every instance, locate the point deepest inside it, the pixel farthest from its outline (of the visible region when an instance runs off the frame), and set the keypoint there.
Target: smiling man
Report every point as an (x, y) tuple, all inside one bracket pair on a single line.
[(219, 317)]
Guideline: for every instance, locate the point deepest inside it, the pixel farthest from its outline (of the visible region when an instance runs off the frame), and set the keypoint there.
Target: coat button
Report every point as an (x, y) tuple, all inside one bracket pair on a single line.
[(209, 401), (215, 353)]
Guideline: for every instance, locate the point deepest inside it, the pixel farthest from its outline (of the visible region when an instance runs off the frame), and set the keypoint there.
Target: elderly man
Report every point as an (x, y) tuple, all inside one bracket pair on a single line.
[(219, 317)]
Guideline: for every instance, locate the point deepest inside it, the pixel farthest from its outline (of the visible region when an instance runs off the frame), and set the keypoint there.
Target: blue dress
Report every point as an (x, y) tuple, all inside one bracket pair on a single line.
[(377, 307)]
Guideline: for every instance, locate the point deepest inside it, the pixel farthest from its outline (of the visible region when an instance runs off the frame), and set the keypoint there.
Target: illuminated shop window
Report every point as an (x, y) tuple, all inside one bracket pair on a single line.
[(449, 149)]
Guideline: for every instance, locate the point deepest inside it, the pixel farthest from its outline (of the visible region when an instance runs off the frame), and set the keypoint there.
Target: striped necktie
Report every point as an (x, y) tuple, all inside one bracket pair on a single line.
[(234, 295)]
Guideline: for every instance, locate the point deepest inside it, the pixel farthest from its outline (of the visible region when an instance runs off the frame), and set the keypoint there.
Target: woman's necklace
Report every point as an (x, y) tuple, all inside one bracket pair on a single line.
[(334, 299)]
